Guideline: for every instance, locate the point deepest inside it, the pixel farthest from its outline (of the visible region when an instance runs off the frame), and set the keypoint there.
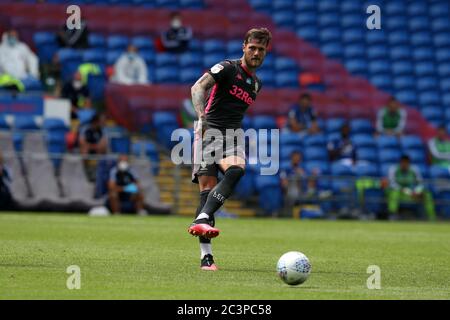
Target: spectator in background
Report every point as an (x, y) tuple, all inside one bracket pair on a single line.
[(391, 120), (342, 149), (75, 38), (123, 186), (297, 185), (439, 148), (130, 68), (177, 38), (92, 138), (16, 58), (302, 118), (406, 185), (6, 200), (77, 93)]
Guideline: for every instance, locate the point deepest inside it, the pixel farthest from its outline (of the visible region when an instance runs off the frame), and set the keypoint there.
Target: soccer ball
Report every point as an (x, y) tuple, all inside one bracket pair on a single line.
[(293, 268)]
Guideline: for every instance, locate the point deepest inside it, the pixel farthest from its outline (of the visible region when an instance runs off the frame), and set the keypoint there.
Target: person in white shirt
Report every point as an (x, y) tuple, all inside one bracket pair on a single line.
[(16, 58), (130, 68)]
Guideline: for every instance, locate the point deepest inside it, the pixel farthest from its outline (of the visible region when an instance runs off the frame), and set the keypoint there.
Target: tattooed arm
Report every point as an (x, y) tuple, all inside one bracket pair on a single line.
[(198, 92)]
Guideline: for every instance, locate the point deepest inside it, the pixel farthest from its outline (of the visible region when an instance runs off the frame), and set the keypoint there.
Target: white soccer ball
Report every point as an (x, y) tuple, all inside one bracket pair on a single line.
[(293, 268)]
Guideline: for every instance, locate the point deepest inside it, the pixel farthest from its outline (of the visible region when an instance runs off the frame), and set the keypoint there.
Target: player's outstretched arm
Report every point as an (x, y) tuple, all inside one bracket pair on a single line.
[(198, 92)]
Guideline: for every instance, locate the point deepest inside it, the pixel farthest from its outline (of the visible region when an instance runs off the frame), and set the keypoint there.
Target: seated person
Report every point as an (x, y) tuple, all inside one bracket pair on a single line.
[(302, 118), (439, 148), (405, 184), (342, 149), (77, 93), (6, 200), (92, 138), (123, 186), (296, 183), (391, 120), (130, 68), (177, 38), (16, 58)]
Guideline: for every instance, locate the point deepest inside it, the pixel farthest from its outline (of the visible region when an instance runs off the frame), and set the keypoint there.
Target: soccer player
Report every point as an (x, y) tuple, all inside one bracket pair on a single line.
[(232, 87)]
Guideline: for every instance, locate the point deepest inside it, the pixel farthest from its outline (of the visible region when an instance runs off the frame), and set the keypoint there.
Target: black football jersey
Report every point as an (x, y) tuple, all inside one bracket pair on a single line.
[(234, 91)]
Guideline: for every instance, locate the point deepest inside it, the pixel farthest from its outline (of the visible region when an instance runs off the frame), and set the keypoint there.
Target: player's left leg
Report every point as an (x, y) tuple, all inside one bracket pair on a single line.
[(233, 168)]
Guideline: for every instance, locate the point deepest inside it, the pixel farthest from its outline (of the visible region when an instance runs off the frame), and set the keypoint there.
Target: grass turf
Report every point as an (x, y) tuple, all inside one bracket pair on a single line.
[(131, 257)]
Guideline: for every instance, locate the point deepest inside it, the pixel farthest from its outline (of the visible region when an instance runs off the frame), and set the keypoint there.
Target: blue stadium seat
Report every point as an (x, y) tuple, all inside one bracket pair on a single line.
[(378, 51), (190, 75), (209, 60), (213, 46), (333, 50), (315, 153), (416, 8), (166, 60), (70, 59), (25, 122), (3, 123), (369, 154), (356, 50), (363, 140), (422, 38), (416, 156), (330, 35), (284, 18), (190, 59), (353, 36), (166, 74), (357, 66), (439, 172), (97, 56), (398, 38), (112, 57), (423, 54), (427, 83), (407, 97), (117, 42), (367, 170), (389, 155), (120, 145), (361, 126), (161, 118), (441, 40), (96, 85), (425, 69), (149, 56), (376, 37), (303, 19), (379, 67), (43, 38), (55, 124), (432, 113), (264, 122), (286, 151), (440, 24), (411, 142), (267, 77), (287, 79), (314, 140), (285, 64), (291, 138), (352, 20), (419, 23), (439, 9), (270, 197), (288, 5), (328, 6), (385, 141), (96, 40), (398, 53), (334, 125), (382, 81), (234, 48), (143, 43), (395, 8), (329, 19), (309, 33), (442, 55), (405, 82), (261, 5), (85, 115), (429, 98)]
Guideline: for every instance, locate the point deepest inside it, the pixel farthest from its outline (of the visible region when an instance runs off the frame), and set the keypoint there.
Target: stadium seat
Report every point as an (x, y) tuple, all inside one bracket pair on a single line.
[(25, 122), (97, 56), (284, 18), (315, 154), (388, 155), (363, 140), (190, 59), (96, 40), (55, 124), (121, 145), (112, 57), (290, 138), (284, 64), (166, 60), (358, 126), (166, 74), (366, 170), (416, 156), (213, 46), (117, 42), (85, 115), (322, 167), (190, 75), (287, 79), (334, 125), (411, 142), (367, 154), (142, 43), (264, 122), (314, 140)]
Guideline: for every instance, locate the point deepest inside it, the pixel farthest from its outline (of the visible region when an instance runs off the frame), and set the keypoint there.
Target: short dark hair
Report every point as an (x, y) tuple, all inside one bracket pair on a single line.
[(405, 157), (261, 34), (305, 95)]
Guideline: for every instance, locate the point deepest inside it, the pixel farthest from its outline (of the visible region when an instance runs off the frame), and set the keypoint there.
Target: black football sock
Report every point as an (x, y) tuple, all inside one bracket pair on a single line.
[(222, 191), (203, 198)]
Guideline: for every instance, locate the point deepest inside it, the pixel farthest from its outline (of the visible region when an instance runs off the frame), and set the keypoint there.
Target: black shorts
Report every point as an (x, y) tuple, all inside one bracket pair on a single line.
[(205, 160)]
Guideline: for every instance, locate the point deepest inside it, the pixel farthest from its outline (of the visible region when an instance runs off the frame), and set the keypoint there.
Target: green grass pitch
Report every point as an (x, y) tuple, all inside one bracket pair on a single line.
[(128, 257)]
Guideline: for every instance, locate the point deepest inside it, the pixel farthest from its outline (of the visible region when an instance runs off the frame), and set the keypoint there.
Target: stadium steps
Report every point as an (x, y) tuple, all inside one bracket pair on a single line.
[(188, 195)]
